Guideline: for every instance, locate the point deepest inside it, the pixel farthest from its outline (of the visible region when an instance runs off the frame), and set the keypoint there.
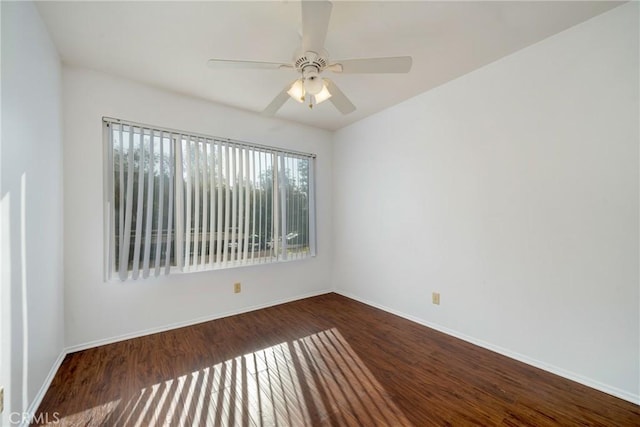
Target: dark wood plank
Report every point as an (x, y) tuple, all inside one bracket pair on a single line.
[(326, 360)]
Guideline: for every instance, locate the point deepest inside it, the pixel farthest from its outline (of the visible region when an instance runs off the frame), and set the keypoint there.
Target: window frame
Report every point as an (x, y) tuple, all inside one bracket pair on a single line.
[(176, 138)]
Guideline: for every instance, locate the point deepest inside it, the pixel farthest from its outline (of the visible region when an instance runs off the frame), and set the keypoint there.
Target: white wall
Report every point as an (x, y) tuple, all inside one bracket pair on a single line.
[(513, 191), (31, 159), (97, 311)]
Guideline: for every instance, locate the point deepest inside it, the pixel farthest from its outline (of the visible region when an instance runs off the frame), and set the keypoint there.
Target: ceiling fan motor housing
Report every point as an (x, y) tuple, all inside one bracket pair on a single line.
[(310, 64), (311, 59)]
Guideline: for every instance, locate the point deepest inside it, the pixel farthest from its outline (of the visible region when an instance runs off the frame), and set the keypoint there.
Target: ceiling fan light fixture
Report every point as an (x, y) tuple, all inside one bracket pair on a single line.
[(323, 95), (296, 91)]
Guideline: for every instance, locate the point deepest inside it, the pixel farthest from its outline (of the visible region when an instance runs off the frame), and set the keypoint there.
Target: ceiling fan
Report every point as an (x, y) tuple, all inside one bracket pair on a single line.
[(311, 60)]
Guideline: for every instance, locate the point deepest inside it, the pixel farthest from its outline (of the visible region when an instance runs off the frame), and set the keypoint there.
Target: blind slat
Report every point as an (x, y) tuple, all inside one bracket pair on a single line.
[(110, 197), (121, 206), (212, 219), (179, 201), (160, 221), (291, 202), (187, 226), (220, 206), (139, 209), (312, 208), (274, 224), (205, 203), (196, 203), (227, 207), (257, 238), (124, 248), (149, 207), (247, 194), (240, 237), (262, 232), (283, 208), (170, 229)]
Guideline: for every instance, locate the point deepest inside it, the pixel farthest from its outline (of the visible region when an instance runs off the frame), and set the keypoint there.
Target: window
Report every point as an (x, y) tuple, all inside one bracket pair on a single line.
[(179, 201)]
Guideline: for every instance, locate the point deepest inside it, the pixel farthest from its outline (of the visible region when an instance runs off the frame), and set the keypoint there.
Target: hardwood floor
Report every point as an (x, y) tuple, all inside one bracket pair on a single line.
[(326, 360)]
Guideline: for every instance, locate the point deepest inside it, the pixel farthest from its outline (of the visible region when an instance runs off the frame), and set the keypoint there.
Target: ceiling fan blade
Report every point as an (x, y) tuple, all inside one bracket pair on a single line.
[(339, 99), (395, 64), (233, 64), (278, 101), (315, 22)]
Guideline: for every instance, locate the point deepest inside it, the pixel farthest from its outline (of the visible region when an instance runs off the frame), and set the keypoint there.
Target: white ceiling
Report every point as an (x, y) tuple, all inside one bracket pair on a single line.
[(167, 44)]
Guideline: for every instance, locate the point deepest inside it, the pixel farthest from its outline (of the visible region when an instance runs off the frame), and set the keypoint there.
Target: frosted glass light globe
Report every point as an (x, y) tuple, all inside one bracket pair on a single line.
[(313, 85)]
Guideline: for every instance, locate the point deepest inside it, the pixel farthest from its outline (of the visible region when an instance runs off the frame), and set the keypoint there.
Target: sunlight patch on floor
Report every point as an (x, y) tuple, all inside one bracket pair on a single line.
[(317, 378)]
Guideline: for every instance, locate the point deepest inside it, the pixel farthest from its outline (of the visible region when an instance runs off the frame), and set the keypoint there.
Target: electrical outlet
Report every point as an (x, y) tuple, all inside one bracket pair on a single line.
[(237, 287), (435, 298)]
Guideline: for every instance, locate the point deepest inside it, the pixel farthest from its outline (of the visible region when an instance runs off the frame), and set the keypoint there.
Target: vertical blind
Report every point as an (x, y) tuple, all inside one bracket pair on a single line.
[(177, 200)]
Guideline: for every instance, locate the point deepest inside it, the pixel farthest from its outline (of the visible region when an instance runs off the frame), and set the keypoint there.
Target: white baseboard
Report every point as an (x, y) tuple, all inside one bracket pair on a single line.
[(37, 400), (614, 391), (137, 334)]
